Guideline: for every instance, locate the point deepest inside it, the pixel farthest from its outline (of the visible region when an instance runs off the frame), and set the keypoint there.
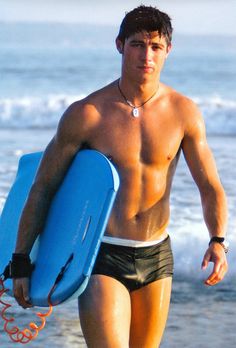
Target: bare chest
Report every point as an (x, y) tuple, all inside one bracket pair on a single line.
[(151, 139)]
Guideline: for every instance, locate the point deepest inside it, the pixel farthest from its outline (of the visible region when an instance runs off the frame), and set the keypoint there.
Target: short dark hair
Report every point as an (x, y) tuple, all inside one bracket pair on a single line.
[(145, 18)]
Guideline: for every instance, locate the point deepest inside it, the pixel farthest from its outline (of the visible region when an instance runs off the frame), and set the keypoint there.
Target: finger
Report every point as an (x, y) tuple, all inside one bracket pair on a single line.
[(205, 263), (19, 295), (212, 279), (217, 274), (25, 288), (23, 303), (214, 274), (217, 267), (206, 260), (222, 272), (216, 279)]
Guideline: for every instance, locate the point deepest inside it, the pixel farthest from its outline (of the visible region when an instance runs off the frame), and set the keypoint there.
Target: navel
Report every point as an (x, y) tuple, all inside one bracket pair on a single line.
[(137, 217)]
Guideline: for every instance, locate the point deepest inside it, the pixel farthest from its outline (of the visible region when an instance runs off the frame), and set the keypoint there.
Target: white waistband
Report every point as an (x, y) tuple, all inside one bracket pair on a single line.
[(132, 243)]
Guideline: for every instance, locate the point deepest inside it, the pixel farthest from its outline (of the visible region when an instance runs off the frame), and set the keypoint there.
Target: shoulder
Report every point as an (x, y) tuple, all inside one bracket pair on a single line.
[(84, 116), (78, 117), (182, 104), (187, 111), (103, 96), (92, 105), (77, 122)]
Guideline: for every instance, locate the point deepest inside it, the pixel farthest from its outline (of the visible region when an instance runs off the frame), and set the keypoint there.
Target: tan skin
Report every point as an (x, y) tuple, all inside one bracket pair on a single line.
[(145, 151)]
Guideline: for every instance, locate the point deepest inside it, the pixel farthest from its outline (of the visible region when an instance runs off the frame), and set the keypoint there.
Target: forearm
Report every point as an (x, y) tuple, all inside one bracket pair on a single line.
[(32, 219), (215, 212)]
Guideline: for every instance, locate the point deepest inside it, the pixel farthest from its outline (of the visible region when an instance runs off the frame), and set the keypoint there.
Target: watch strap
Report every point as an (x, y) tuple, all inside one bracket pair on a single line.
[(221, 241), (217, 239)]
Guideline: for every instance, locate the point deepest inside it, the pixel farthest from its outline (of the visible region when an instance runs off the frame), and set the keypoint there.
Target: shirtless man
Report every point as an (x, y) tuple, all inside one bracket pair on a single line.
[(142, 125)]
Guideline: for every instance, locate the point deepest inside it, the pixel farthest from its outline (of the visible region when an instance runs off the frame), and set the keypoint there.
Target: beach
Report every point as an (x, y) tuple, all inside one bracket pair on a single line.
[(47, 67)]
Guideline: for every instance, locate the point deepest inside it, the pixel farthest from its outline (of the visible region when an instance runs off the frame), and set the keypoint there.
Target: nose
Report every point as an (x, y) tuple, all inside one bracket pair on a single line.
[(147, 54)]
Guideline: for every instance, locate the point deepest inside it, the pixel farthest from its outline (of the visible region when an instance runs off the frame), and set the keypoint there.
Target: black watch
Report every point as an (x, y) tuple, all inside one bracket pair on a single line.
[(221, 241)]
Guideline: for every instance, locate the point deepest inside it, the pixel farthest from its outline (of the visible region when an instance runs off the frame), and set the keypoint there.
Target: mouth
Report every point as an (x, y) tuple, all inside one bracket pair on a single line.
[(146, 68)]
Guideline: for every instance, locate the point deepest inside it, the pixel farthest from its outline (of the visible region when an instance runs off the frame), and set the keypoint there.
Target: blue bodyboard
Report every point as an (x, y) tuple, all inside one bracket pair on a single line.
[(75, 224)]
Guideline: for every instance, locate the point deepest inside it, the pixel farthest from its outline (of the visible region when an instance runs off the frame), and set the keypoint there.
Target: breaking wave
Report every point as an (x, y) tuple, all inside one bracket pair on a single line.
[(45, 112)]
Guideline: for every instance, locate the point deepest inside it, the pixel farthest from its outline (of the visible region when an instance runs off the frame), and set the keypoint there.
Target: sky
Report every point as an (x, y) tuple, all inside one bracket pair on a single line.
[(188, 16)]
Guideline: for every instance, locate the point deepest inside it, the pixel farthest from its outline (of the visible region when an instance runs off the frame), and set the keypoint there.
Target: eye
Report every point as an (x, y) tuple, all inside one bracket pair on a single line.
[(137, 44), (156, 47)]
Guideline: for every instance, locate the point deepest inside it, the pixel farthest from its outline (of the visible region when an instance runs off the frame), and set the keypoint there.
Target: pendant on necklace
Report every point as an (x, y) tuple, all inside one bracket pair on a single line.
[(135, 112)]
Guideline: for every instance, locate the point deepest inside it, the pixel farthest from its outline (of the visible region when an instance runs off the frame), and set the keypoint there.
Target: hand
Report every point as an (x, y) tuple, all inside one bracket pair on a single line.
[(21, 292), (216, 254)]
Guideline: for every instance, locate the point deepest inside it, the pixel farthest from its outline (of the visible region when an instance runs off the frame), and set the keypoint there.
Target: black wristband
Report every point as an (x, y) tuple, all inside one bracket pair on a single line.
[(217, 240), (20, 266)]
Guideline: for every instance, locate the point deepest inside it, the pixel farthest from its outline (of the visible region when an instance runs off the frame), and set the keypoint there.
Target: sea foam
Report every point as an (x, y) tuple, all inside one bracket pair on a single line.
[(45, 112)]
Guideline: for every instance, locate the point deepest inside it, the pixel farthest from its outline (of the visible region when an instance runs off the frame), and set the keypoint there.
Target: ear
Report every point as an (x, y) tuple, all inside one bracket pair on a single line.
[(168, 49), (119, 45)]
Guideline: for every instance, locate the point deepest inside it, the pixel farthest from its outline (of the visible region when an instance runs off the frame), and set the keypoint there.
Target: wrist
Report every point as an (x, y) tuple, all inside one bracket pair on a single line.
[(221, 241), (20, 266)]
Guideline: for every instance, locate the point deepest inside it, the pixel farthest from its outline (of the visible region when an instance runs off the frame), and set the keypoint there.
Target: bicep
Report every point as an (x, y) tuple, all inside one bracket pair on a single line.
[(58, 155)]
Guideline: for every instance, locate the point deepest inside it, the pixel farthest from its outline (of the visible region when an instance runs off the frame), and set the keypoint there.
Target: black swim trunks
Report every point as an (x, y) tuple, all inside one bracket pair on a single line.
[(135, 267)]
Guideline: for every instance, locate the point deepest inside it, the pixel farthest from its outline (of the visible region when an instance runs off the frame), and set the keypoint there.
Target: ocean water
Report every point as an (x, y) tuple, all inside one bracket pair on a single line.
[(43, 68)]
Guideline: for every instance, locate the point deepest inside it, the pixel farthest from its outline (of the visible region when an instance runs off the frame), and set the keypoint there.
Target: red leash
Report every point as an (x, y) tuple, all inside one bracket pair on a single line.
[(14, 332), (28, 334)]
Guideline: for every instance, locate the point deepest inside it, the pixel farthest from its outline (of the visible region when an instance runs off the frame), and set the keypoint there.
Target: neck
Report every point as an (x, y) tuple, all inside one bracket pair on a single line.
[(138, 92)]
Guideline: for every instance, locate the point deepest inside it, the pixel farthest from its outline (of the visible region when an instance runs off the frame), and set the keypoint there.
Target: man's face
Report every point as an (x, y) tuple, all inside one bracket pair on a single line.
[(143, 55)]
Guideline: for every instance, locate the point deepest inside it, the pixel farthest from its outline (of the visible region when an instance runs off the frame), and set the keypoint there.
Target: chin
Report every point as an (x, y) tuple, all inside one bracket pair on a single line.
[(146, 78)]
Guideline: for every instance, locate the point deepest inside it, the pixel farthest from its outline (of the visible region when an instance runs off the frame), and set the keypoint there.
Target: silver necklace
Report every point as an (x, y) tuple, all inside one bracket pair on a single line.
[(135, 111)]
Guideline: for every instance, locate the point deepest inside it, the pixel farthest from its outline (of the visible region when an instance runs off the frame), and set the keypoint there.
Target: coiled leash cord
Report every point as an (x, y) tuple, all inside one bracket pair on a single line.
[(20, 266), (27, 334)]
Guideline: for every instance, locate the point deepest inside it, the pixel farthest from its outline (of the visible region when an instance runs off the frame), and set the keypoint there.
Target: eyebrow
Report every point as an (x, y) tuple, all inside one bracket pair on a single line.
[(137, 41), (143, 42)]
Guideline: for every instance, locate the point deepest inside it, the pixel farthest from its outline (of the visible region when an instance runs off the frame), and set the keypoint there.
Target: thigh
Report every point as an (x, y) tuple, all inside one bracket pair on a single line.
[(105, 311), (150, 306)]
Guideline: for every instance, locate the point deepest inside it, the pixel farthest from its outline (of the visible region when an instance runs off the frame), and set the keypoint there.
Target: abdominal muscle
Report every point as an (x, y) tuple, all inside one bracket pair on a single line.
[(141, 209)]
